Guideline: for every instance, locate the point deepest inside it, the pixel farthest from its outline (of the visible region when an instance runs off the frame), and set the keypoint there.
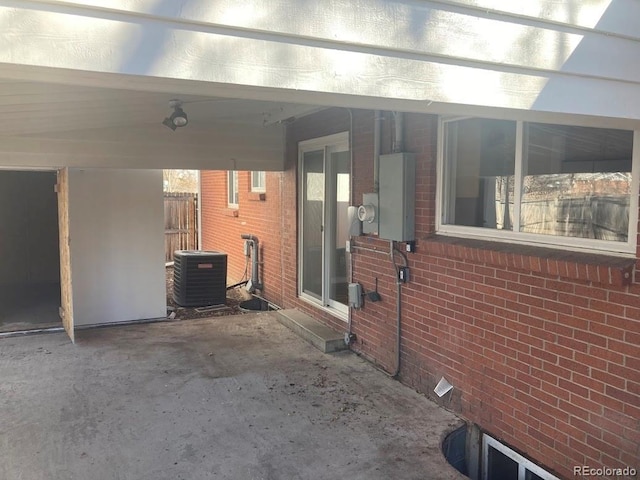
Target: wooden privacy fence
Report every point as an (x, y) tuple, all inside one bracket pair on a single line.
[(180, 223)]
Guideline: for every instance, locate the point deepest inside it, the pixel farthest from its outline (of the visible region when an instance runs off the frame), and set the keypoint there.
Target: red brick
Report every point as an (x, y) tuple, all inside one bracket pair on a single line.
[(573, 387), (607, 378), (603, 446), (589, 314), (606, 401), (590, 338), (628, 349), (495, 320), (582, 423), (606, 354), (606, 330), (622, 395)]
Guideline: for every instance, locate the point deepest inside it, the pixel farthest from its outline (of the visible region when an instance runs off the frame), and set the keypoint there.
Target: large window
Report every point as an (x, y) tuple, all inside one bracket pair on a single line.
[(536, 182), (232, 189)]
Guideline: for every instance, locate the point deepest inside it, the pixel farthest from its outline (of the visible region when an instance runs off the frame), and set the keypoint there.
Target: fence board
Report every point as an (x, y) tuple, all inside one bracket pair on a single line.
[(180, 223)]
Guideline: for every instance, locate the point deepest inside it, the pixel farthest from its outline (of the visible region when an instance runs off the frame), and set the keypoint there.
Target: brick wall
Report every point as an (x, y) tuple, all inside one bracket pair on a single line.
[(543, 351), (257, 214), (542, 346)]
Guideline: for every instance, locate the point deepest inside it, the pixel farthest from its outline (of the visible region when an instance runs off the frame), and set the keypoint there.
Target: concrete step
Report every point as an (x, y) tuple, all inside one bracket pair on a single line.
[(322, 337)]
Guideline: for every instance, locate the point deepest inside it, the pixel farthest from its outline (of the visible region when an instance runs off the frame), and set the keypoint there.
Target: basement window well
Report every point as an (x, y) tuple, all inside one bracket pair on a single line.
[(500, 462), (480, 456)]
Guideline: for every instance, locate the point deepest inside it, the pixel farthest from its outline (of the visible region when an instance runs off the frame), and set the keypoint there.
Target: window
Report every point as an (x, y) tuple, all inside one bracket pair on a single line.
[(232, 188), (258, 182), (539, 183), (502, 463)]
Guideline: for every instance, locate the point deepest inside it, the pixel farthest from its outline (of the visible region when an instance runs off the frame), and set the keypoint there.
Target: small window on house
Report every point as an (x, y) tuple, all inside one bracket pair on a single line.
[(258, 183), (502, 463), (232, 189), (539, 183)]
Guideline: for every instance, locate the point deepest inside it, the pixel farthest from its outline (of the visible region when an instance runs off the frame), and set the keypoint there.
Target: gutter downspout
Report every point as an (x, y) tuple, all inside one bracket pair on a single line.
[(199, 210), (398, 140), (349, 336), (377, 118)]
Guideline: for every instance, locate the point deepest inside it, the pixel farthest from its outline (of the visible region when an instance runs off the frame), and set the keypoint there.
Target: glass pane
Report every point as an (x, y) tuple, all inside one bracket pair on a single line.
[(232, 187), (577, 182), (236, 191), (501, 467), (339, 258), (529, 475), (312, 222), (258, 181), (480, 158)]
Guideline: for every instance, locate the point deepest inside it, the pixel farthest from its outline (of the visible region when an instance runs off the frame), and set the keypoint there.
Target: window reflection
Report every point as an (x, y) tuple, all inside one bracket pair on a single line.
[(481, 158), (577, 182)]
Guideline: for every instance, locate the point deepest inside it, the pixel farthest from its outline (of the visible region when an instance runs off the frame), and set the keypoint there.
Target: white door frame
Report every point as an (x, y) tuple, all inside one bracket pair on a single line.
[(338, 142)]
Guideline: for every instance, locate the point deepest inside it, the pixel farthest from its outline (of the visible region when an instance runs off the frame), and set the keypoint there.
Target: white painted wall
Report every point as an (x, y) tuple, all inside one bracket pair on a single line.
[(572, 56), (116, 222)]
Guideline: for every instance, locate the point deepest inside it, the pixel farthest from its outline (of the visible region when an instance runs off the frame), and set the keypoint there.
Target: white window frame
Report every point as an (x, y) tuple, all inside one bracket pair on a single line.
[(523, 463), (232, 189), (627, 248), (260, 185)]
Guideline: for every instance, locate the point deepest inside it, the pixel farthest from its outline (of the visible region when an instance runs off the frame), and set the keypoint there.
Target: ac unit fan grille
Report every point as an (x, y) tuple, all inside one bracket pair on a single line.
[(199, 278)]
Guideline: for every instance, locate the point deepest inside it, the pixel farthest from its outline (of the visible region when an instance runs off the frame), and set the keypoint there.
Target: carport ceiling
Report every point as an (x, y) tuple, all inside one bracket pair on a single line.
[(31, 108)]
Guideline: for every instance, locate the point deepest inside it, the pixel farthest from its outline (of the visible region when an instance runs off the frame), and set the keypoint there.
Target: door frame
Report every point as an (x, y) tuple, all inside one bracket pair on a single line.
[(338, 142), (68, 326), (66, 289)]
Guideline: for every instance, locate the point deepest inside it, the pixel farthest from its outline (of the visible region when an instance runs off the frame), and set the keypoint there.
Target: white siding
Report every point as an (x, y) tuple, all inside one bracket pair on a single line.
[(214, 146), (116, 224), (566, 57)]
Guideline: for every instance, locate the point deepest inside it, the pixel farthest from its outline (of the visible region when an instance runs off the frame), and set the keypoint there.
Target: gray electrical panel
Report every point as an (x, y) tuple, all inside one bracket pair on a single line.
[(397, 197)]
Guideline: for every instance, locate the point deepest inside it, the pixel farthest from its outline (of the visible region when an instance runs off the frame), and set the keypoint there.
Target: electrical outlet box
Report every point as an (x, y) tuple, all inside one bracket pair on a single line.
[(354, 291), (397, 197), (403, 274)]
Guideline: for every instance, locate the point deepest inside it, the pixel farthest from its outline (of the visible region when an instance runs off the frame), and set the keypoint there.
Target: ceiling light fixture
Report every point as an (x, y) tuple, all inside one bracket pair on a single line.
[(178, 118)]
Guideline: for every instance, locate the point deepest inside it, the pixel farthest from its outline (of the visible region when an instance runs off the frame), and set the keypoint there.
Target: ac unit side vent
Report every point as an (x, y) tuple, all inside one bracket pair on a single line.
[(199, 278)]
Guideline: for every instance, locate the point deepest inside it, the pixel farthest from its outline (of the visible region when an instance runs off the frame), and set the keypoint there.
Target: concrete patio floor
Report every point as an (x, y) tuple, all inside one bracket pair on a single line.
[(237, 397)]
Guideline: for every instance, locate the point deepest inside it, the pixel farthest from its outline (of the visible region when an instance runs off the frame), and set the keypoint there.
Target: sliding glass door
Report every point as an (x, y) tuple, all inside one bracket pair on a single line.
[(312, 222), (324, 197)]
